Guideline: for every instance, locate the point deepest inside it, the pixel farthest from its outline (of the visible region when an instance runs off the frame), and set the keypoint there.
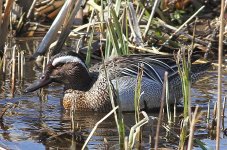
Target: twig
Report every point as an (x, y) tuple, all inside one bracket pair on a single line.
[(5, 24), (208, 113), (13, 70), (192, 128), (151, 17), (31, 8), (223, 113), (96, 125), (186, 22), (94, 5), (151, 50), (161, 111), (44, 64), (141, 15), (134, 25), (213, 35), (134, 129), (167, 128), (18, 64), (1, 13), (163, 24), (22, 65), (7, 106), (217, 65), (220, 51)]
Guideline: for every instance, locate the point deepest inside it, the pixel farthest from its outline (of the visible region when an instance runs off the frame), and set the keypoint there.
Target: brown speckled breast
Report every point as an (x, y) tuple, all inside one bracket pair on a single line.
[(95, 99), (68, 98), (76, 97)]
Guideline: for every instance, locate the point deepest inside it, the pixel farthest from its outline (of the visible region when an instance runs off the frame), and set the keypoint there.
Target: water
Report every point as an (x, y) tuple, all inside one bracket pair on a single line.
[(38, 121)]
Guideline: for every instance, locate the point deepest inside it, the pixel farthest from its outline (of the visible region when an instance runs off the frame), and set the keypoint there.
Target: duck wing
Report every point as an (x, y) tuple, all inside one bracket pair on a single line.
[(154, 67)]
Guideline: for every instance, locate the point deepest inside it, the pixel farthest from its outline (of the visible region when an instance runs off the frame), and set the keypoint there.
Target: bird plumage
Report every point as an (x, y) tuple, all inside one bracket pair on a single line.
[(88, 88)]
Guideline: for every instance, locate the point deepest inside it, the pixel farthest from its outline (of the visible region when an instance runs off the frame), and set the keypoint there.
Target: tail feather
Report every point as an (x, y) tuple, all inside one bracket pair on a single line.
[(197, 70)]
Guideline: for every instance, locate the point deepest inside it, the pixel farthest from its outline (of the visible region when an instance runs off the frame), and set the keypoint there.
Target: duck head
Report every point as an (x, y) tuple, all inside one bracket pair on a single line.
[(66, 68)]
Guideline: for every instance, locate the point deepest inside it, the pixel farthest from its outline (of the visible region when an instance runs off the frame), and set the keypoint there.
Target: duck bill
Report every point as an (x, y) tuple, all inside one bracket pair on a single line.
[(38, 84)]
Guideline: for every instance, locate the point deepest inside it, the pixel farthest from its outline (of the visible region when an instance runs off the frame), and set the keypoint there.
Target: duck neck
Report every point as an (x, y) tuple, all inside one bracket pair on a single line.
[(81, 81), (98, 96)]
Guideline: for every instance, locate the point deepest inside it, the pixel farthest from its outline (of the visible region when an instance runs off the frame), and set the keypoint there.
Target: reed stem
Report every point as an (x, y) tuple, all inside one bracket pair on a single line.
[(192, 128), (5, 24), (161, 110), (1, 14), (97, 124), (31, 8), (223, 113), (220, 53), (22, 65), (156, 3), (13, 71), (184, 69), (44, 63), (137, 100), (4, 62), (18, 64), (181, 27)]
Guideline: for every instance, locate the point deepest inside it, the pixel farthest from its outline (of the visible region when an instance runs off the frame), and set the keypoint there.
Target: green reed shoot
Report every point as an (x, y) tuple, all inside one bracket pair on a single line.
[(115, 44), (137, 93), (117, 6), (119, 32), (112, 43), (184, 72), (121, 125), (109, 45), (118, 117), (184, 69), (137, 96), (114, 39)]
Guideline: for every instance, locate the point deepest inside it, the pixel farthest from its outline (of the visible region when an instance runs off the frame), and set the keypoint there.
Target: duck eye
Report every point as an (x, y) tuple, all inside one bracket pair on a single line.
[(42, 77), (59, 65)]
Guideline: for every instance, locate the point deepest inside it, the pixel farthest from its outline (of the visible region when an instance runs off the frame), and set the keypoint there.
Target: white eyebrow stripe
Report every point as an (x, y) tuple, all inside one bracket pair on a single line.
[(67, 59)]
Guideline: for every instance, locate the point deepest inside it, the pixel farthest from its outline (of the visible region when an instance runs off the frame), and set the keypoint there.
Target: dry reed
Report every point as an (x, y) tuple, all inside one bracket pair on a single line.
[(220, 55)]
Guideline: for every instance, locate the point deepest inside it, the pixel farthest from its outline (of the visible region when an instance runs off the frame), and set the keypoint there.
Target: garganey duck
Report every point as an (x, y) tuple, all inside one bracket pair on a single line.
[(89, 87)]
